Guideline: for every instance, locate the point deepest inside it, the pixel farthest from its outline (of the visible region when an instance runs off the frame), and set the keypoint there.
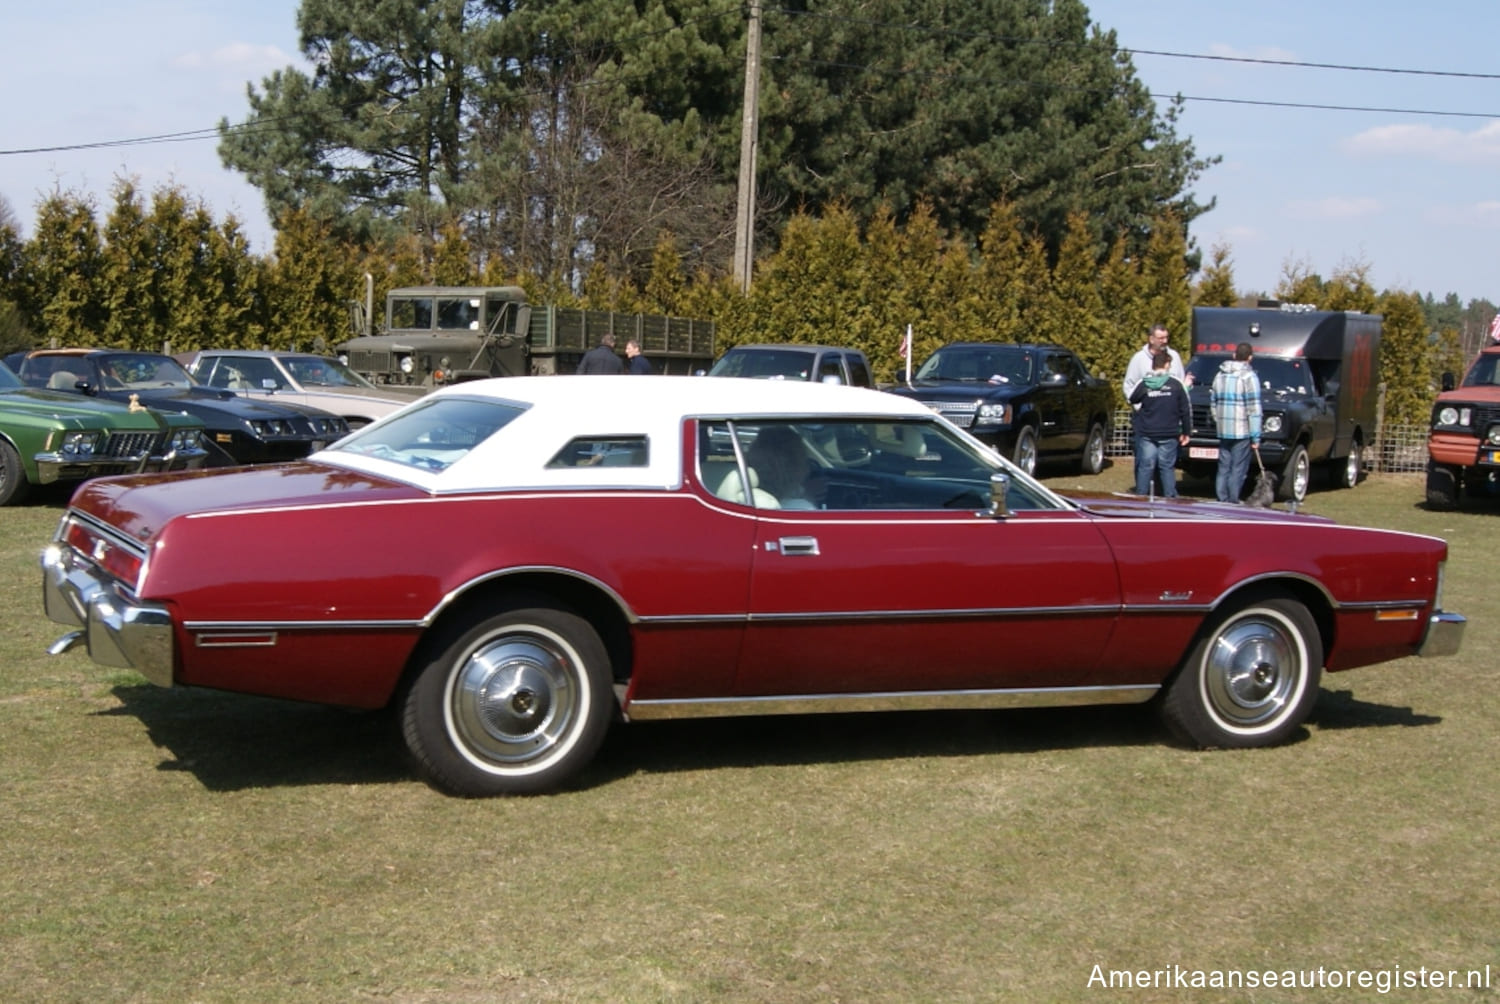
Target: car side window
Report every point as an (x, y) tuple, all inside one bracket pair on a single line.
[(847, 465), (603, 451)]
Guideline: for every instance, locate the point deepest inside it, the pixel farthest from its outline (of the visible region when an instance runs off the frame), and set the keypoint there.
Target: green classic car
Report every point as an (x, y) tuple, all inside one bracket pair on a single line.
[(50, 436)]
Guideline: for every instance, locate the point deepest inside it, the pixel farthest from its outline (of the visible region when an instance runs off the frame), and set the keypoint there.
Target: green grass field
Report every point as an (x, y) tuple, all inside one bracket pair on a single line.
[(189, 846)]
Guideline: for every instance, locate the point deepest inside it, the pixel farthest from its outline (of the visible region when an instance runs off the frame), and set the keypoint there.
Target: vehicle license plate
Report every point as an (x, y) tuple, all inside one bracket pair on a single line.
[(1203, 452), (1492, 456)]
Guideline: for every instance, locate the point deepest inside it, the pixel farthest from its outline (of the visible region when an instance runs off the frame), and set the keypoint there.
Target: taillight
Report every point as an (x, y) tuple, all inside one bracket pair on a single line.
[(121, 562)]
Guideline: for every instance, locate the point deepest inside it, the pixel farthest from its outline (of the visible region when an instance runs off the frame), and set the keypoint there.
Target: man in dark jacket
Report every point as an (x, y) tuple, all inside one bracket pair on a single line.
[(1163, 422), (601, 359), (639, 364)]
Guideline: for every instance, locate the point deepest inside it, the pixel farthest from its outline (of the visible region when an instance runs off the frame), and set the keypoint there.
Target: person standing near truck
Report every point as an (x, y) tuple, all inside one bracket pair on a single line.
[(1140, 366), (1235, 399), (601, 359), (1163, 422), (639, 365)]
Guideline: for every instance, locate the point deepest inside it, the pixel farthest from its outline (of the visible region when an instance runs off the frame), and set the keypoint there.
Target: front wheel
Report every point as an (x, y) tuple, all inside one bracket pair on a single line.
[(13, 484), (1442, 487), (1024, 455), (1093, 451), (1251, 679), (1295, 476), (516, 703)]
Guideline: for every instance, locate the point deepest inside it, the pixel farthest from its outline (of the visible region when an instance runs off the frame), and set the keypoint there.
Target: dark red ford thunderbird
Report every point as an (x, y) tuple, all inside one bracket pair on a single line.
[(517, 563)]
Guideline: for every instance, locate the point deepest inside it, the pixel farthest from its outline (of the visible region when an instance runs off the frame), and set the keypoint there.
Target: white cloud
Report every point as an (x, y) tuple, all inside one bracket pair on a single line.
[(238, 59), (1454, 146), (1335, 208), (1260, 52)]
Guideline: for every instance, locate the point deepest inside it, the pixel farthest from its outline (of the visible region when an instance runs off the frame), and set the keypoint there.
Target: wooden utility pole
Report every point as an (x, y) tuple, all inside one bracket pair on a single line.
[(744, 225)]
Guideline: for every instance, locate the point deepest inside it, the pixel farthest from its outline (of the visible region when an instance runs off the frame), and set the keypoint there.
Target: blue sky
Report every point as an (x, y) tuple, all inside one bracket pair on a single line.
[(1414, 196)]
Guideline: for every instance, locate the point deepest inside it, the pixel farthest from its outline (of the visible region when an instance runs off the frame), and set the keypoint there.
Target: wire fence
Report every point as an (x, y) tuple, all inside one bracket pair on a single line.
[(1397, 449)]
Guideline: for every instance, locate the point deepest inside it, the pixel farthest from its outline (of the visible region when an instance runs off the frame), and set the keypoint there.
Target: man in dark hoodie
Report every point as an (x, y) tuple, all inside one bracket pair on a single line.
[(1163, 422)]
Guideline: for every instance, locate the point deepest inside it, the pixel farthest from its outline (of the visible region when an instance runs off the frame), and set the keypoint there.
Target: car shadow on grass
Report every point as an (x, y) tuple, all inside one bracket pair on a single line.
[(231, 742), (1339, 709)]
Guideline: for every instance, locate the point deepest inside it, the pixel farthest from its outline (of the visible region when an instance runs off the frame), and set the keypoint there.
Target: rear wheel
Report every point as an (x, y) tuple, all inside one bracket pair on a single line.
[(514, 703), (1093, 450), (13, 484), (1251, 679), (1348, 476), (1024, 455)]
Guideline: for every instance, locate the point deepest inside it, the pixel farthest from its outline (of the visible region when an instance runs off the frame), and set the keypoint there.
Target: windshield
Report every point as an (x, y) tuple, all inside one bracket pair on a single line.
[(316, 371), (1484, 372), (766, 364), (8, 380), (1276, 375), (979, 364), (434, 435), (141, 371)]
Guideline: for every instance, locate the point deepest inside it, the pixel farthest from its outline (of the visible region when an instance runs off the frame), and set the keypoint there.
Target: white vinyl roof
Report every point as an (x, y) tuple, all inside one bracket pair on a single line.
[(563, 408)]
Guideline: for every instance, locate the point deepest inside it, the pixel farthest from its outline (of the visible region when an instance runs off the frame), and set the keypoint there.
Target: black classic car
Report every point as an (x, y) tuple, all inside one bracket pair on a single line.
[(1032, 403), (246, 430)]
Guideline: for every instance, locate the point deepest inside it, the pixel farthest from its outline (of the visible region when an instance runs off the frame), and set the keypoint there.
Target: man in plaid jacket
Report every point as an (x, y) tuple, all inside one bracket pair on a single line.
[(1235, 397)]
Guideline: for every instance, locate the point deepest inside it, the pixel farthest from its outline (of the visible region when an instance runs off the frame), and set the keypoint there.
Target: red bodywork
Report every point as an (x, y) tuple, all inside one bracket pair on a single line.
[(312, 582), (1455, 448)]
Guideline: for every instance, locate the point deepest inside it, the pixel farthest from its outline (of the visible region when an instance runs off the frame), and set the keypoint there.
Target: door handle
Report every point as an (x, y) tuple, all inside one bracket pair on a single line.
[(797, 546)]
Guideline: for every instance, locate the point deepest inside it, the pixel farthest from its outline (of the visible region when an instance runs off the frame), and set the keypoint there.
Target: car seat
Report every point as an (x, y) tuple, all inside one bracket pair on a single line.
[(61, 380), (732, 489)]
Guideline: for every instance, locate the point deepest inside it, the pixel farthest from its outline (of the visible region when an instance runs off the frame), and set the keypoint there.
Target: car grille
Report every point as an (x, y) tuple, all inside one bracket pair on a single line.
[(1203, 421), (960, 413), (129, 444), (1484, 417)]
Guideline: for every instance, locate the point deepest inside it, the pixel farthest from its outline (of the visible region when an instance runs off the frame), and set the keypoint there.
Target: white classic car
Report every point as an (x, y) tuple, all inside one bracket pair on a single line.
[(320, 381)]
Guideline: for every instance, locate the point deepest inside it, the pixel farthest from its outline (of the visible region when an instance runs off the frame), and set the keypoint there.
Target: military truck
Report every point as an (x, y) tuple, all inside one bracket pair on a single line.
[(1463, 444), (1318, 389), (437, 335)]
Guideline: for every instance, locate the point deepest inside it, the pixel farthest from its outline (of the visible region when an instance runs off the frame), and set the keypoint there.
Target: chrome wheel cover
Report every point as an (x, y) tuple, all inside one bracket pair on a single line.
[(1351, 467), (1255, 670), (516, 700)]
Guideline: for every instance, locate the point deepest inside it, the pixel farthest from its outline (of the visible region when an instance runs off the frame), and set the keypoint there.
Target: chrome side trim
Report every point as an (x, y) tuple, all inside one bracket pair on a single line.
[(798, 704), (252, 627), (962, 613)]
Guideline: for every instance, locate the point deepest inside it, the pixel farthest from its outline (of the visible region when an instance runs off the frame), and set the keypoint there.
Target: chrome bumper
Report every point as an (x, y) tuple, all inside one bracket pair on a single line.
[(118, 631), (1445, 632), (54, 467)]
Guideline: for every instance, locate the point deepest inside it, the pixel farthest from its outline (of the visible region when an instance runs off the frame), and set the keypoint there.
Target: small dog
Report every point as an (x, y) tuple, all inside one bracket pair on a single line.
[(1264, 492)]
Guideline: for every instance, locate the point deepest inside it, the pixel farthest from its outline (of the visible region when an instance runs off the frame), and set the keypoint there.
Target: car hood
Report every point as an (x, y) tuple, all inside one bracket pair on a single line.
[(944, 390), (206, 400), (69, 407), (1119, 505), (140, 505), (1471, 395)]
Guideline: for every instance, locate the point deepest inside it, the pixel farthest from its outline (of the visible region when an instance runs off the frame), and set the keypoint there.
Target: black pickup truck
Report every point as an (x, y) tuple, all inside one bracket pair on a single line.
[(1319, 377), (1032, 403)]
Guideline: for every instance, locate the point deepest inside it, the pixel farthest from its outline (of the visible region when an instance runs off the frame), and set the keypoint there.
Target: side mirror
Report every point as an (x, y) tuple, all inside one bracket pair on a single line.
[(999, 486), (1448, 382)]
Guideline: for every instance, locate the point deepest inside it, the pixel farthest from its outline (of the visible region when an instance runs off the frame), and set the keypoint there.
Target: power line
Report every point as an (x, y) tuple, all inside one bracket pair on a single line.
[(193, 135)]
